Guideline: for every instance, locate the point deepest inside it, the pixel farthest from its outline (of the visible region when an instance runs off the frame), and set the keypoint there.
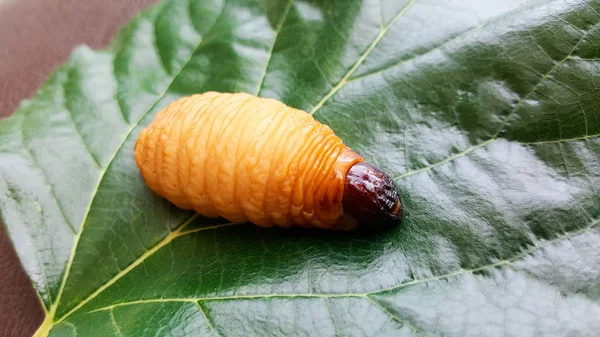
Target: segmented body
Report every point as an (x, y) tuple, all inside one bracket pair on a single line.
[(246, 158)]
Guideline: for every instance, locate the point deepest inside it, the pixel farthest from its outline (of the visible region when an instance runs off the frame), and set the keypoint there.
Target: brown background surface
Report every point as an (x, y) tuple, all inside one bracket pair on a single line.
[(35, 37)]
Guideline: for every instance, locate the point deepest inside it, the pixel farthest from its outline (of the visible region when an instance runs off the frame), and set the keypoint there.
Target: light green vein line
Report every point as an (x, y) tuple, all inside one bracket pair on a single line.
[(451, 158), (277, 31), (76, 128), (496, 264), (544, 78), (45, 179), (208, 320), (379, 7), (562, 140), (209, 228), (336, 329), (165, 241), (40, 298), (437, 47), (149, 301), (415, 57), (520, 255), (395, 317), (362, 58), (72, 326), (227, 298), (114, 323)]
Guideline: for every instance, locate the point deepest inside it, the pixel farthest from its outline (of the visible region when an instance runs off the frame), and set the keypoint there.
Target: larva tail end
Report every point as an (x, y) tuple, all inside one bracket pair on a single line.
[(370, 197)]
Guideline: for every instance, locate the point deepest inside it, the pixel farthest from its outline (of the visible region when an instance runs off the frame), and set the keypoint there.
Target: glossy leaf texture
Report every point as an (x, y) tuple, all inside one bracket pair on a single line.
[(486, 113)]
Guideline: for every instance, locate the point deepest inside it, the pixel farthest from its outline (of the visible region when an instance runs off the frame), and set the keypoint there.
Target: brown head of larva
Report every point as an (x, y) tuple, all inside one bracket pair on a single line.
[(370, 197)]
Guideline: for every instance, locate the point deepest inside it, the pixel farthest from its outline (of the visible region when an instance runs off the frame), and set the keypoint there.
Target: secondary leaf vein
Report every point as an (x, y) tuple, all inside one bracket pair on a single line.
[(207, 319), (114, 323), (362, 58), (395, 317), (277, 30), (45, 178)]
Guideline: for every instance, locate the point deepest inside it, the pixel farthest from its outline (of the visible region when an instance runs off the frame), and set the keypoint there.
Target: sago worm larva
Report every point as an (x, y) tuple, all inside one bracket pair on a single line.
[(246, 158)]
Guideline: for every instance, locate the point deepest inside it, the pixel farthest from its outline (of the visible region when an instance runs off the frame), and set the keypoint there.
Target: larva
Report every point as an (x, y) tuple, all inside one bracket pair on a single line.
[(246, 158)]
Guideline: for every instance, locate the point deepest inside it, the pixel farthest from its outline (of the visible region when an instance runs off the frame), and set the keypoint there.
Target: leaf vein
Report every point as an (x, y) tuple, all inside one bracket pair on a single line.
[(207, 319), (362, 58), (495, 264), (441, 162), (542, 80), (562, 140), (435, 47), (114, 323), (73, 327), (333, 321), (74, 125), (45, 178), (161, 57), (277, 31), (395, 317)]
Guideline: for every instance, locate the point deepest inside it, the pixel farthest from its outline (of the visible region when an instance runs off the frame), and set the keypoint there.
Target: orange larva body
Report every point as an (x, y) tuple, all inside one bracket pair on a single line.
[(246, 158)]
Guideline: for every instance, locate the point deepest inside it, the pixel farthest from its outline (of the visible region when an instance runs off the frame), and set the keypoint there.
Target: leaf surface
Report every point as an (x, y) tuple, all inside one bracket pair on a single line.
[(486, 113)]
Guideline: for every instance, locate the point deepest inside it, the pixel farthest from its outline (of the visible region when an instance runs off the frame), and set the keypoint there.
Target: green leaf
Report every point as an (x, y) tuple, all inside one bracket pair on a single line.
[(486, 113)]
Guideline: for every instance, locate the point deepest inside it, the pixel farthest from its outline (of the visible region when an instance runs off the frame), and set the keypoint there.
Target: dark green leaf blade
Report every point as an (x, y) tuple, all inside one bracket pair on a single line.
[(485, 112)]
